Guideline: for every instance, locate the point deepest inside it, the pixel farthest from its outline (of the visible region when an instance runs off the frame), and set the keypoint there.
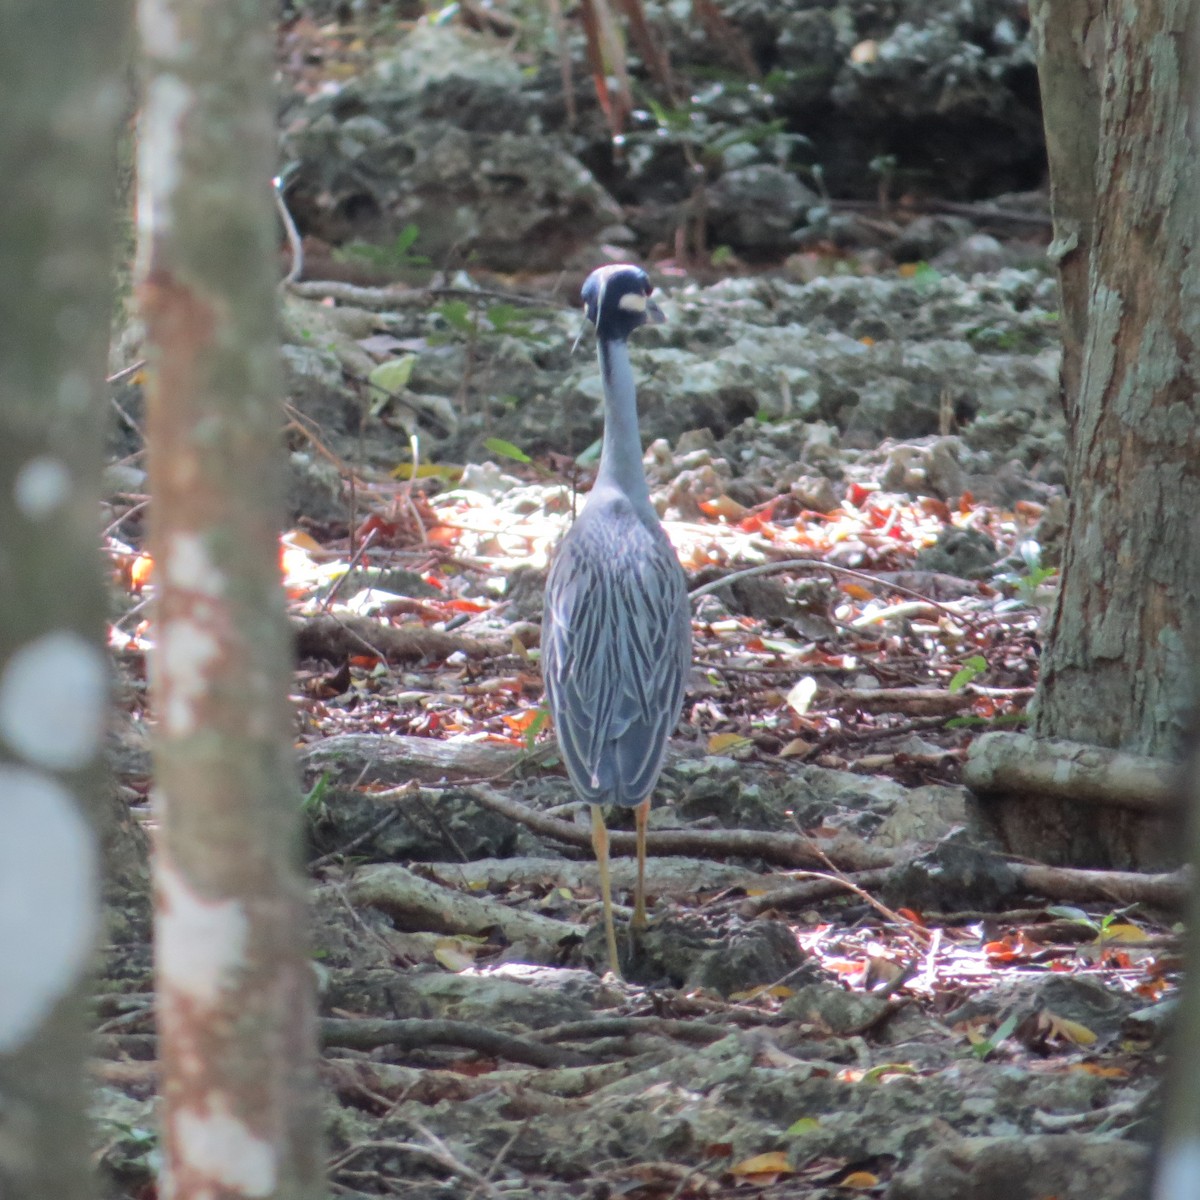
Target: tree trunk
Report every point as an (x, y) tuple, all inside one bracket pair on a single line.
[(1069, 35), (61, 66), (1127, 623), (235, 987)]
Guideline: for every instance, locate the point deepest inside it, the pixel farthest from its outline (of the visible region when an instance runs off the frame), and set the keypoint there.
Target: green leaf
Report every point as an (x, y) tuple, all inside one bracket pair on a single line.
[(506, 450), (405, 238), (535, 727), (591, 455), (803, 1125), (389, 378), (1070, 913), (974, 666), (982, 1049), (456, 314), (316, 796)]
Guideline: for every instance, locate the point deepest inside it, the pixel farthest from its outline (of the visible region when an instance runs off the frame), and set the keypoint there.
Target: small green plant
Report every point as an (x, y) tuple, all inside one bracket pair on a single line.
[(536, 726), (968, 672), (475, 323), (1026, 583), (503, 449), (985, 1047), (397, 255), (314, 801), (1000, 721)]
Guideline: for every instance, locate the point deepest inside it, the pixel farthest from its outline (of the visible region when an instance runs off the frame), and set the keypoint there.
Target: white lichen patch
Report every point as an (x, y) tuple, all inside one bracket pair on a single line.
[(160, 148), (52, 701), (185, 651), (217, 1145), (74, 387), (187, 564), (200, 942), (48, 901), (41, 487), (158, 30)]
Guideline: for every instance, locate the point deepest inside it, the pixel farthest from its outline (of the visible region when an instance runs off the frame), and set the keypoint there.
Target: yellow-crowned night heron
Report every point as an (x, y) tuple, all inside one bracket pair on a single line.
[(616, 639)]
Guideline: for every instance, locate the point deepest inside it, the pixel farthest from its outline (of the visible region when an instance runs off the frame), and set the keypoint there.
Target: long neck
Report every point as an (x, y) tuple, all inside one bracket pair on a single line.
[(621, 457)]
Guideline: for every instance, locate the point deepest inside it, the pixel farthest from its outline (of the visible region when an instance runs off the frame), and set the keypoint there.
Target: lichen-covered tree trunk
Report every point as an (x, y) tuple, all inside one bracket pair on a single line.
[(234, 983), (61, 67), (1126, 628)]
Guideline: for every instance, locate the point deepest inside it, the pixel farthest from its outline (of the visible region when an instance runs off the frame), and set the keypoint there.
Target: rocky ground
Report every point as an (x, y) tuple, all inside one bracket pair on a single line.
[(846, 986)]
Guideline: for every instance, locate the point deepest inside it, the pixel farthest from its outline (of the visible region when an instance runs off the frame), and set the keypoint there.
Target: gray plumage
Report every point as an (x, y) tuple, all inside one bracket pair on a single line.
[(615, 649), (616, 633)]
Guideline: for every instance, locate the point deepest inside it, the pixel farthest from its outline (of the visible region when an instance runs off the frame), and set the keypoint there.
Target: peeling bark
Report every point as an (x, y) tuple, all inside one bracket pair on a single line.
[(236, 1013)]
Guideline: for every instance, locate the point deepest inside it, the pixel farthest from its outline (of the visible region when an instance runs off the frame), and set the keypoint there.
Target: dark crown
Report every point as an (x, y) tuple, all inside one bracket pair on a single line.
[(616, 299)]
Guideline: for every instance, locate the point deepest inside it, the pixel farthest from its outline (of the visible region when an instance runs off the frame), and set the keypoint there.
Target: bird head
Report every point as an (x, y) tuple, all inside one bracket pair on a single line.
[(616, 299)]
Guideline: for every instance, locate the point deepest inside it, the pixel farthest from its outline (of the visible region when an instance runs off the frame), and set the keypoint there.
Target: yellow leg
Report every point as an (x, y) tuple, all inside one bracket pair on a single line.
[(642, 813), (600, 844)]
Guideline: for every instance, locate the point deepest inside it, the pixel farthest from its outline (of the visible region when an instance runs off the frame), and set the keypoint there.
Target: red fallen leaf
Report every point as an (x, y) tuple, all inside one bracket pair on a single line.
[(474, 1066), (856, 591), (434, 581), (374, 523), (468, 606), (723, 507), (1004, 950), (857, 493), (934, 507), (909, 915), (368, 662), (966, 502), (521, 721)]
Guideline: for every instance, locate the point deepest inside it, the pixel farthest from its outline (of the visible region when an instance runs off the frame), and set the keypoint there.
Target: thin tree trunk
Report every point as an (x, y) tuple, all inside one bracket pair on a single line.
[(1117, 671), (235, 987), (1069, 35), (61, 65)]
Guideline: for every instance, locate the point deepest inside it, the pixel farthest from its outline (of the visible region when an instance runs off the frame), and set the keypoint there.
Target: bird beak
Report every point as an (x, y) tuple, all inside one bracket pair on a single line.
[(579, 336), (654, 314)]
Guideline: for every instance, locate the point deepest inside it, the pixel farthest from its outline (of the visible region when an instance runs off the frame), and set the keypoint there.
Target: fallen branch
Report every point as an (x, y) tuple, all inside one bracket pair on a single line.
[(1170, 891), (336, 638), (415, 1034), (677, 878), (366, 758), (612, 1027), (416, 903), (781, 849), (1019, 762)]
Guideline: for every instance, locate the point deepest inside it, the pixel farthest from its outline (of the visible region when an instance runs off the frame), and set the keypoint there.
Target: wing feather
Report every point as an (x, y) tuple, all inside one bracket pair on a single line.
[(616, 646)]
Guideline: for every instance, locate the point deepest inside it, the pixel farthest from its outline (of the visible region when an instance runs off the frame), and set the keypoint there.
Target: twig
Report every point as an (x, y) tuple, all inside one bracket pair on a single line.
[(293, 235), (783, 849), (816, 564)]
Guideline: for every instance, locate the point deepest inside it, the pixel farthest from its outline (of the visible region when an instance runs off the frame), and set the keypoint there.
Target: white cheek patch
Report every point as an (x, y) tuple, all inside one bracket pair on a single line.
[(632, 302)]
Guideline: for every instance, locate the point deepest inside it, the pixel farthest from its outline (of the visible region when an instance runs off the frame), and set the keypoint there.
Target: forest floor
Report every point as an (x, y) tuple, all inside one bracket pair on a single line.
[(847, 986)]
